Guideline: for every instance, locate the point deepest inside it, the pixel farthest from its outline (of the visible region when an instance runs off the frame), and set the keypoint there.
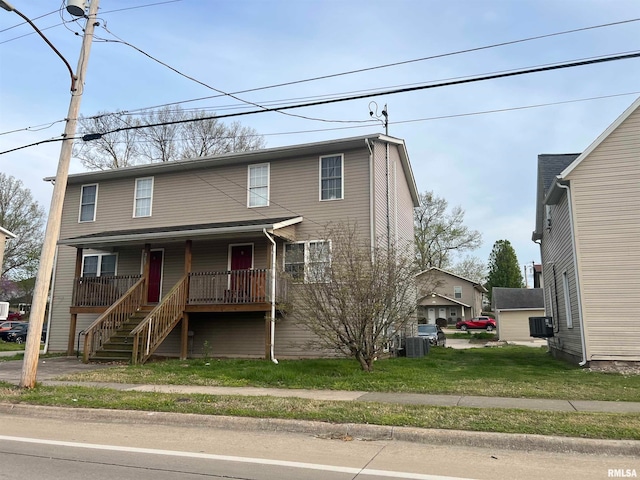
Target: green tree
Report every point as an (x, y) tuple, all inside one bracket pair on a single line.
[(24, 217), (504, 269)]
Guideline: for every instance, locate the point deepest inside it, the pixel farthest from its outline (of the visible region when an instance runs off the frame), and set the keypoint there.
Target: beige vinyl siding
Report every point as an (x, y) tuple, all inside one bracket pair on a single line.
[(444, 285), (513, 325), (219, 195), (605, 189), (61, 299), (557, 257), (404, 206), (381, 213)]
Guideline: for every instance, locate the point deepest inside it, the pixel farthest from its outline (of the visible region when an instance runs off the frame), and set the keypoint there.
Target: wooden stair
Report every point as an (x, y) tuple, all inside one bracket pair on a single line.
[(119, 348)]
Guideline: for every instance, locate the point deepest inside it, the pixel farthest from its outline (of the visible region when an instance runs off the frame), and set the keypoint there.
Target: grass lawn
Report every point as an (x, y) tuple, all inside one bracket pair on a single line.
[(509, 371), (569, 424), (499, 371), (10, 346)]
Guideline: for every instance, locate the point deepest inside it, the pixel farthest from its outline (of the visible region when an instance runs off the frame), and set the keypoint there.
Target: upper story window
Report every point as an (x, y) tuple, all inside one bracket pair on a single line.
[(457, 292), (88, 201), (331, 178), (307, 261), (98, 265), (258, 185), (143, 197)]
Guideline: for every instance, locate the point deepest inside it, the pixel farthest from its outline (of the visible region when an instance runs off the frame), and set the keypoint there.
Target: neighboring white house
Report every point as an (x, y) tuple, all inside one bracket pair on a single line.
[(588, 227)]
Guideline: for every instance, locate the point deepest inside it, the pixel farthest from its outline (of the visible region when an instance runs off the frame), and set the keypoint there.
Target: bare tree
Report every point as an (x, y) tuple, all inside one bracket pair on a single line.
[(175, 134), (355, 298), (440, 234), (22, 216), (472, 268)]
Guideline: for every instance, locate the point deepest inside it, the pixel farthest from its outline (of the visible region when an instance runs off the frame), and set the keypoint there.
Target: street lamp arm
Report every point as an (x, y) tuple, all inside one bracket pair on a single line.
[(26, 19)]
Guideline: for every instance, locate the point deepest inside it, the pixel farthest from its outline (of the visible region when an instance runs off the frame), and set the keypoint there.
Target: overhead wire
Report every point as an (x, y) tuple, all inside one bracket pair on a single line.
[(404, 62), (193, 79)]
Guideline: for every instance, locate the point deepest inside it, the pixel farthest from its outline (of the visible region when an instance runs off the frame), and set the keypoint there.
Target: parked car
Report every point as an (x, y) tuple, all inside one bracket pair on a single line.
[(15, 332), (434, 333), (14, 316), (19, 333), (8, 325), (487, 323)]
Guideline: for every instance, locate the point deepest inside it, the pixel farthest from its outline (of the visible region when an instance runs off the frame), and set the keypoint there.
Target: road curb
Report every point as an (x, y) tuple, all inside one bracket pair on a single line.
[(502, 441)]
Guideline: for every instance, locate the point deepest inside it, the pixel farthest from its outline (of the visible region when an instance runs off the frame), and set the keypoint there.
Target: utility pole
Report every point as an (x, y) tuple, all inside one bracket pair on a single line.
[(43, 278)]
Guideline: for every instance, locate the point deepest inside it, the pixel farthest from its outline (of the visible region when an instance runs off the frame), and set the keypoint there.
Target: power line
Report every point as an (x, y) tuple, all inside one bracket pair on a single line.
[(189, 77), (23, 23), (400, 90), (432, 57)]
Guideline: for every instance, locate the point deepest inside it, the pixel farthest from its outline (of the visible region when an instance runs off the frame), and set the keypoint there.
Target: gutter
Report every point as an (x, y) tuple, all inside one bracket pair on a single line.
[(371, 193), (575, 268), (272, 330)]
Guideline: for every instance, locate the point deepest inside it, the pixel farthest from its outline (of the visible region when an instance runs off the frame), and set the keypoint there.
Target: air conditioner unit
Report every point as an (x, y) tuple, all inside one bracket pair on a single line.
[(541, 327), (416, 347)]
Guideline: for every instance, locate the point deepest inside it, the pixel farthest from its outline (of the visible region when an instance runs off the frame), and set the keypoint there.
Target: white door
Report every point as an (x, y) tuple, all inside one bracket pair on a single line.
[(431, 315), (442, 313)]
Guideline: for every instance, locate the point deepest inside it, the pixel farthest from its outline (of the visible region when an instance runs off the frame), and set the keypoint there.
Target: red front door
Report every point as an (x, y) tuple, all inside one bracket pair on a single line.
[(241, 261), (155, 276)]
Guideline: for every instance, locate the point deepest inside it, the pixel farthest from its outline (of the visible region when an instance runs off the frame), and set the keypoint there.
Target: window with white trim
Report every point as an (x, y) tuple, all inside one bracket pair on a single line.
[(307, 261), (99, 264), (258, 181), (88, 201), (331, 177), (457, 292), (567, 299), (143, 197)]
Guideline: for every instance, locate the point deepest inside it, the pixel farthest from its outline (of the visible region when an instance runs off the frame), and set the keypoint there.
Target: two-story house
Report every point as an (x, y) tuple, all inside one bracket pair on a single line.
[(588, 228), (186, 258), (443, 294)]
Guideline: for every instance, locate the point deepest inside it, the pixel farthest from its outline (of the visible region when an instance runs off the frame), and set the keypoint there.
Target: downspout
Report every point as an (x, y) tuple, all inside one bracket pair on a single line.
[(386, 158), (372, 200), (272, 331), (575, 267), (53, 286)]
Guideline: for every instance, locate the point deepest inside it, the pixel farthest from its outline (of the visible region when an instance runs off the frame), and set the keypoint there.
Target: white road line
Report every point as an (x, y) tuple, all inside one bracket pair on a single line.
[(230, 458)]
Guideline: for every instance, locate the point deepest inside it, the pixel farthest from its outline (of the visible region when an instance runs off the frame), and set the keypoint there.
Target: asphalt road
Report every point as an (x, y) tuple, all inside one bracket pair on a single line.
[(112, 448)]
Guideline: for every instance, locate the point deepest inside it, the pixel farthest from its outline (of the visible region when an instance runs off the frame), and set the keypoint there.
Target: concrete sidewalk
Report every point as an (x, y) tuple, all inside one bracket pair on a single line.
[(51, 368)]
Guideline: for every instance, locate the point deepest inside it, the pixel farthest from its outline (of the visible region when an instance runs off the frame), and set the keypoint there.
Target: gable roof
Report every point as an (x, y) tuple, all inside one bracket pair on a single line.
[(549, 167), (517, 298), (436, 294), (476, 285), (617, 122), (253, 156)]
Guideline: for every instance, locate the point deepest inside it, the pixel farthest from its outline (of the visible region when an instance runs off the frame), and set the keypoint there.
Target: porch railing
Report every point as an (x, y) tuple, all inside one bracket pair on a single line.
[(101, 291), (236, 286), (150, 333), (112, 319)]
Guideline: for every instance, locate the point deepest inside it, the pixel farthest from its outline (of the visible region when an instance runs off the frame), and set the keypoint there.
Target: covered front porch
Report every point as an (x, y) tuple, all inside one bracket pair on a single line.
[(174, 281)]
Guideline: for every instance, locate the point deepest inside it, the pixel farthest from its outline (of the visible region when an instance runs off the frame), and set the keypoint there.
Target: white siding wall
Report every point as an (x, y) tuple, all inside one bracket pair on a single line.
[(513, 325), (606, 199)]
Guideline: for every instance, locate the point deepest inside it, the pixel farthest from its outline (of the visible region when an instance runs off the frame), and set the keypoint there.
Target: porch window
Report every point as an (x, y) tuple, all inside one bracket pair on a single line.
[(88, 198), (258, 185), (143, 197), (331, 178), (307, 261), (457, 292), (99, 265)]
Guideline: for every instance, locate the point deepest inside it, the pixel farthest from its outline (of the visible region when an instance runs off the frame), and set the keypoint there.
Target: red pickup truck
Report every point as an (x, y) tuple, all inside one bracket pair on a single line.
[(487, 323)]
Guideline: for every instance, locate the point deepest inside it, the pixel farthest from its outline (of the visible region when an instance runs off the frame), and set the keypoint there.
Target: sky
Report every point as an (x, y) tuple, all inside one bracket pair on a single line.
[(459, 145)]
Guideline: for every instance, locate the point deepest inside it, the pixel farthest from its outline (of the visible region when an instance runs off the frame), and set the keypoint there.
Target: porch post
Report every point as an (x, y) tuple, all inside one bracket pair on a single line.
[(74, 317), (146, 257), (184, 332), (184, 337)]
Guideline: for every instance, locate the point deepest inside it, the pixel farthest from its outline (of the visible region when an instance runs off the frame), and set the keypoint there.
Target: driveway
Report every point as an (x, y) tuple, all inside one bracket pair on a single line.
[(48, 368)]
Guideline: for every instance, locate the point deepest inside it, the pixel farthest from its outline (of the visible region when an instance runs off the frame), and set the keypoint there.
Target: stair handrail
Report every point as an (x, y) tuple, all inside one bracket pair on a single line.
[(155, 327), (107, 324)]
